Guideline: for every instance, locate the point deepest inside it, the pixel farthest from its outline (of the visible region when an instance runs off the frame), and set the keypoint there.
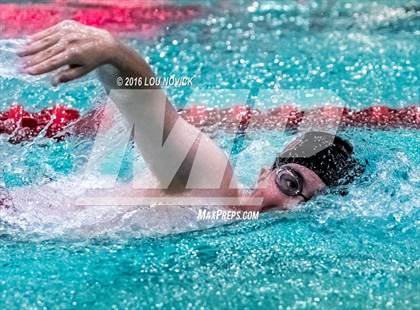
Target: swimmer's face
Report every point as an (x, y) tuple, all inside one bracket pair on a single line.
[(287, 186)]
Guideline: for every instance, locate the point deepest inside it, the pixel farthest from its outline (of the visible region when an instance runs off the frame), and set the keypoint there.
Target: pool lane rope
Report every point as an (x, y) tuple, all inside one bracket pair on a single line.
[(59, 122), (18, 19)]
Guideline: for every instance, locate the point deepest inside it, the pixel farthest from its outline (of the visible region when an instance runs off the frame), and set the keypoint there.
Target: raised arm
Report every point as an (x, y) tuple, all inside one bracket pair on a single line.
[(76, 49)]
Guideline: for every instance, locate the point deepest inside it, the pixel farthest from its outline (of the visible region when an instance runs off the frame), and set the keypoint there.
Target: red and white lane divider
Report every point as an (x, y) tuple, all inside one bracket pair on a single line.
[(288, 116), (60, 121)]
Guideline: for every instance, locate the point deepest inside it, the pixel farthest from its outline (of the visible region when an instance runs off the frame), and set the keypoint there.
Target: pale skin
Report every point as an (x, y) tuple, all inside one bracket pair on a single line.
[(76, 50)]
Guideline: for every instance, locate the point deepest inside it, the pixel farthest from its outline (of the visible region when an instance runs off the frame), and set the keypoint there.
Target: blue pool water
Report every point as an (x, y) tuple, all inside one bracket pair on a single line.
[(356, 251)]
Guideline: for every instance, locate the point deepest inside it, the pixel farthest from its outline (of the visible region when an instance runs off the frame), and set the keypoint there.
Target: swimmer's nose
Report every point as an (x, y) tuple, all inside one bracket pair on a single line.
[(270, 200)]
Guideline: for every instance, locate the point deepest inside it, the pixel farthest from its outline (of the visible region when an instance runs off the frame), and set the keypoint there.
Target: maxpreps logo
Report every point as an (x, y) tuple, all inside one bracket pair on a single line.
[(226, 215), (110, 147)]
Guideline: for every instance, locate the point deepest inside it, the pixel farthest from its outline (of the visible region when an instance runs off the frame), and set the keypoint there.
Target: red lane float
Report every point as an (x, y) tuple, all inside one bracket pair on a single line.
[(130, 3), (22, 125), (139, 19), (289, 117)]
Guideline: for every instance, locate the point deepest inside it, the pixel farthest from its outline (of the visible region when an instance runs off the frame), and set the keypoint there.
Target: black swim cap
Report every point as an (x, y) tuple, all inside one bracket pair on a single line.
[(329, 156)]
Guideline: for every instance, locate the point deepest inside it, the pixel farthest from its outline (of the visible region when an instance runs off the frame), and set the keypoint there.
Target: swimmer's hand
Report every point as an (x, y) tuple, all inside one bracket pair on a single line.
[(74, 48)]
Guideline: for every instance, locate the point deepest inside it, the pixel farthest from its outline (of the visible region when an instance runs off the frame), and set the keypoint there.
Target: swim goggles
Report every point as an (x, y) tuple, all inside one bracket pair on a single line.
[(290, 182)]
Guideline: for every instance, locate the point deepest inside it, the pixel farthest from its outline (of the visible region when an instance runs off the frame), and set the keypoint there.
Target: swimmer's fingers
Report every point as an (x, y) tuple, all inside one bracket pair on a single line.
[(37, 46), (44, 55), (70, 74), (64, 26), (51, 64), (44, 33)]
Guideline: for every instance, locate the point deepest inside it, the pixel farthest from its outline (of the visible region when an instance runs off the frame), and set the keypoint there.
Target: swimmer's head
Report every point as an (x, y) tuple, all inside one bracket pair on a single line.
[(309, 165)]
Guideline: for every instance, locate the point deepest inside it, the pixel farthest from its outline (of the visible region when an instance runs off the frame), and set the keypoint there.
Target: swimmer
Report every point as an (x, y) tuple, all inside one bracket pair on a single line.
[(312, 164)]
